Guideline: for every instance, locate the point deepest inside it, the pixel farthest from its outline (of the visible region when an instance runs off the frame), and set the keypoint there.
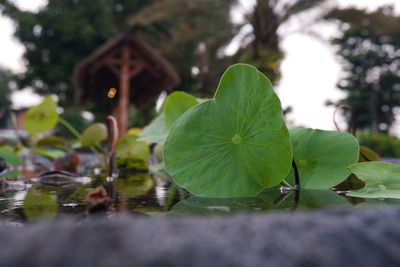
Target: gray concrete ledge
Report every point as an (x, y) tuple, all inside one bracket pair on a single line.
[(338, 237)]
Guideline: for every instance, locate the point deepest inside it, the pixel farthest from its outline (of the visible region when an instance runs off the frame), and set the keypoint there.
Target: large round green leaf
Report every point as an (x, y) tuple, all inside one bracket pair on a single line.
[(234, 145), (322, 157), (382, 180), (94, 134), (42, 117)]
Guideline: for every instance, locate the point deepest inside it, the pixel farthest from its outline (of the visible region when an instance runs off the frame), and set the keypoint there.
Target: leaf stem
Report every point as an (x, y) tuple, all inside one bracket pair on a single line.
[(112, 127), (284, 183), (78, 136), (70, 128), (353, 118), (296, 200), (296, 177)]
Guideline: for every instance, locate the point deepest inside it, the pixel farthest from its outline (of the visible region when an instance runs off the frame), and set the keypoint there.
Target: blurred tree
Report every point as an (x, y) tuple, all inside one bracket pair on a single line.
[(59, 35), (66, 31), (5, 92), (266, 18), (192, 35), (370, 50)]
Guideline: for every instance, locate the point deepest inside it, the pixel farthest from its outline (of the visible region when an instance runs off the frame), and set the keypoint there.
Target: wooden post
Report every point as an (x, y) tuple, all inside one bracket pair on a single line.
[(123, 99)]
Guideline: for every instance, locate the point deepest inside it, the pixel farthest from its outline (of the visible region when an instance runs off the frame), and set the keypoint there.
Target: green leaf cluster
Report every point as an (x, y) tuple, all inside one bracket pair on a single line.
[(237, 144)]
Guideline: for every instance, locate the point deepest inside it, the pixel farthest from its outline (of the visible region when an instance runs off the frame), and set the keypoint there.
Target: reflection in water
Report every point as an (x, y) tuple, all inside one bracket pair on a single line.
[(151, 194), (131, 193)]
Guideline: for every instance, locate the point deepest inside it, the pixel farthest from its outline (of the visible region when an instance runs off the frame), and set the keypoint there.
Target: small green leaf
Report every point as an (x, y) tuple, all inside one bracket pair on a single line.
[(42, 117), (175, 105), (156, 132), (234, 145), (94, 134), (322, 157), (382, 180), (128, 146), (11, 157)]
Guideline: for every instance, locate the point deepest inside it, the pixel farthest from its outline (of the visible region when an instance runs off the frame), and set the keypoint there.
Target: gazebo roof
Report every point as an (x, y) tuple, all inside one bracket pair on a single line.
[(96, 74)]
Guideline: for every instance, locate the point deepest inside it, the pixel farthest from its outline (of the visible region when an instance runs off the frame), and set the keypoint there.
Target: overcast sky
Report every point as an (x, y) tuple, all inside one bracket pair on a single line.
[(310, 69)]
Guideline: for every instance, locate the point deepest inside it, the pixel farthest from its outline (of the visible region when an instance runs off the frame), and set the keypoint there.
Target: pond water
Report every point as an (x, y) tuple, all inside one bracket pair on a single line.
[(152, 195)]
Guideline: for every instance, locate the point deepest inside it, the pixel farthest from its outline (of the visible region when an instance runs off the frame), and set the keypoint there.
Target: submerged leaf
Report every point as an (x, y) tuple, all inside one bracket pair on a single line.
[(322, 157), (234, 145), (382, 180), (42, 117)]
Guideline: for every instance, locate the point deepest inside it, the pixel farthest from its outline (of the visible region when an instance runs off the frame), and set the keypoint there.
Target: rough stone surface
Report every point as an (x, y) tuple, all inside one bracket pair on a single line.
[(338, 237)]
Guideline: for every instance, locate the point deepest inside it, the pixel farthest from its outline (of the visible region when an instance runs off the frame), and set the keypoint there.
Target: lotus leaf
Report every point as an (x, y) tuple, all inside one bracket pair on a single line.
[(156, 132), (128, 146), (352, 182), (234, 145), (50, 153), (94, 134), (369, 153), (42, 117), (11, 157), (322, 157), (175, 105), (382, 180)]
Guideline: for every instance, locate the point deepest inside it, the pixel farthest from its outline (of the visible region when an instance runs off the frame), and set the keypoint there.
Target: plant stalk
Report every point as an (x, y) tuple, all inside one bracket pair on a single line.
[(296, 177)]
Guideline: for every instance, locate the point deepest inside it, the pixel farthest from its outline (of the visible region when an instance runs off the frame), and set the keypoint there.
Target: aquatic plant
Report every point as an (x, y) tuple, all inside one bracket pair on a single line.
[(237, 144)]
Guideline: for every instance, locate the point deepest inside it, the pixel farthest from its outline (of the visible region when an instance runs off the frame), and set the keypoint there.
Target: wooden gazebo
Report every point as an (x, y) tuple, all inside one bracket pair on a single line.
[(127, 68)]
